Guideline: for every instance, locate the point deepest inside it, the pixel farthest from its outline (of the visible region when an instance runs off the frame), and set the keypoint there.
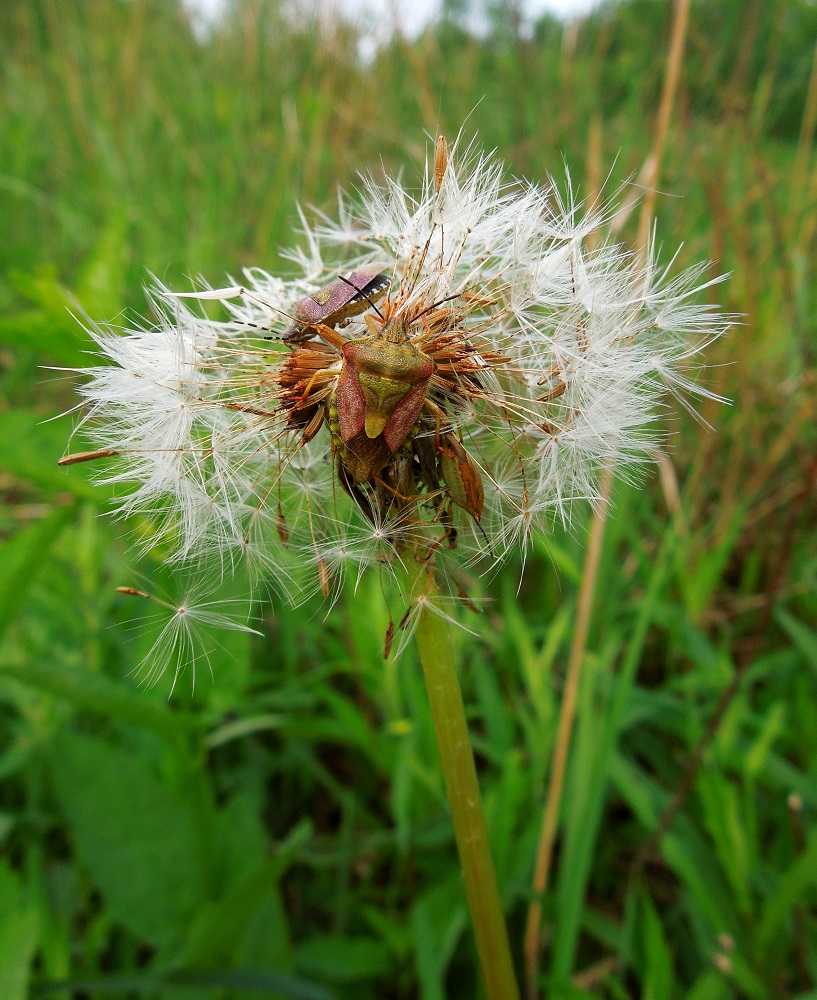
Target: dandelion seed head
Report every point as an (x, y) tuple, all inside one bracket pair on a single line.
[(507, 352)]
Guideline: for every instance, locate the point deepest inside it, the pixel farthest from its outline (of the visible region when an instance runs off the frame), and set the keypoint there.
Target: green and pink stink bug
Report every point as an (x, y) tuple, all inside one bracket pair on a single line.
[(379, 397)]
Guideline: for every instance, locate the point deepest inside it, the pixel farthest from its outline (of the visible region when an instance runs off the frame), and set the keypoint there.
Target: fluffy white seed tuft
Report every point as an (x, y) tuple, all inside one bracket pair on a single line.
[(564, 344)]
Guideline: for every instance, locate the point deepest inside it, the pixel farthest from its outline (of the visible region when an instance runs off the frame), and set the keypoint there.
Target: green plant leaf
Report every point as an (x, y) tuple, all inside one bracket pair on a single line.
[(99, 694), (804, 638), (657, 977), (52, 336), (797, 880), (135, 836), (437, 922), (19, 935), (278, 984), (342, 958), (219, 928), (101, 284), (30, 449), (21, 557)]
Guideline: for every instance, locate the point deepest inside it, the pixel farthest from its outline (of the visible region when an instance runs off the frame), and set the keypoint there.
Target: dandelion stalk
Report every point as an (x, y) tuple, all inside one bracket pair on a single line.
[(470, 830)]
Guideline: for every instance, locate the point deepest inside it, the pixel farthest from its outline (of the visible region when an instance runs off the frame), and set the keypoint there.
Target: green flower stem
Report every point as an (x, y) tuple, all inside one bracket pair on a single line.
[(470, 830)]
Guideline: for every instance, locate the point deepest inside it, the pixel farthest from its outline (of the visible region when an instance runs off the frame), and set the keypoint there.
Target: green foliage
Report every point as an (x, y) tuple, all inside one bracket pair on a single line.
[(282, 830), (19, 935), (144, 860)]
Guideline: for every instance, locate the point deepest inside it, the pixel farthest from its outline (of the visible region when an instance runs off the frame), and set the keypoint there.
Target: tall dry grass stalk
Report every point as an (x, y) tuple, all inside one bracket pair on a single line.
[(675, 59), (807, 129), (802, 191), (650, 174), (567, 714)]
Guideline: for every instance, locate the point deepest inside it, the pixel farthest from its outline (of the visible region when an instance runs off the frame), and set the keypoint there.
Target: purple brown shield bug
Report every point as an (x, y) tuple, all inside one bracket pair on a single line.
[(348, 295)]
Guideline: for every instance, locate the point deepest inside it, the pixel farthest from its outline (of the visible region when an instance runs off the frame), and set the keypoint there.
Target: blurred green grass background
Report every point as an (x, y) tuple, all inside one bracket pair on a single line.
[(283, 830)]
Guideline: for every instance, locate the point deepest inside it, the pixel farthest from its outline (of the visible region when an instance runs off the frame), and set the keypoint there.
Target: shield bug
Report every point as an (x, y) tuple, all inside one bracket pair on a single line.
[(462, 480), (348, 295), (389, 398), (379, 397)]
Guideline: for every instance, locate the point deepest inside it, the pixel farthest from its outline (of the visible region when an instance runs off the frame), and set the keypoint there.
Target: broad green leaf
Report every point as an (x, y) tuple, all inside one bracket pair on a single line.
[(219, 928), (341, 958), (136, 836), (241, 981), (710, 986), (248, 922), (21, 557), (101, 285), (803, 637), (53, 336), (19, 935), (242, 839), (437, 922), (657, 978), (30, 449), (97, 693), (265, 941), (797, 881)]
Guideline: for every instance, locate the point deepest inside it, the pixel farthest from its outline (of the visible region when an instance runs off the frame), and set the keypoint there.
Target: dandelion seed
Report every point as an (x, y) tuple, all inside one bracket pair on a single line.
[(181, 641), (449, 370)]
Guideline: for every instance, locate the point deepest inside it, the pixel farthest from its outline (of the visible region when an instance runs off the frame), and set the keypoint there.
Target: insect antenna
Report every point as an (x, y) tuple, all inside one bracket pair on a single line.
[(487, 542), (434, 305), (365, 296)]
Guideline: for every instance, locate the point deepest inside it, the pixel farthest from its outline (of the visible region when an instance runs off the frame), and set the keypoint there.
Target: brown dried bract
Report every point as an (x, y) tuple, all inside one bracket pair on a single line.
[(440, 161)]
